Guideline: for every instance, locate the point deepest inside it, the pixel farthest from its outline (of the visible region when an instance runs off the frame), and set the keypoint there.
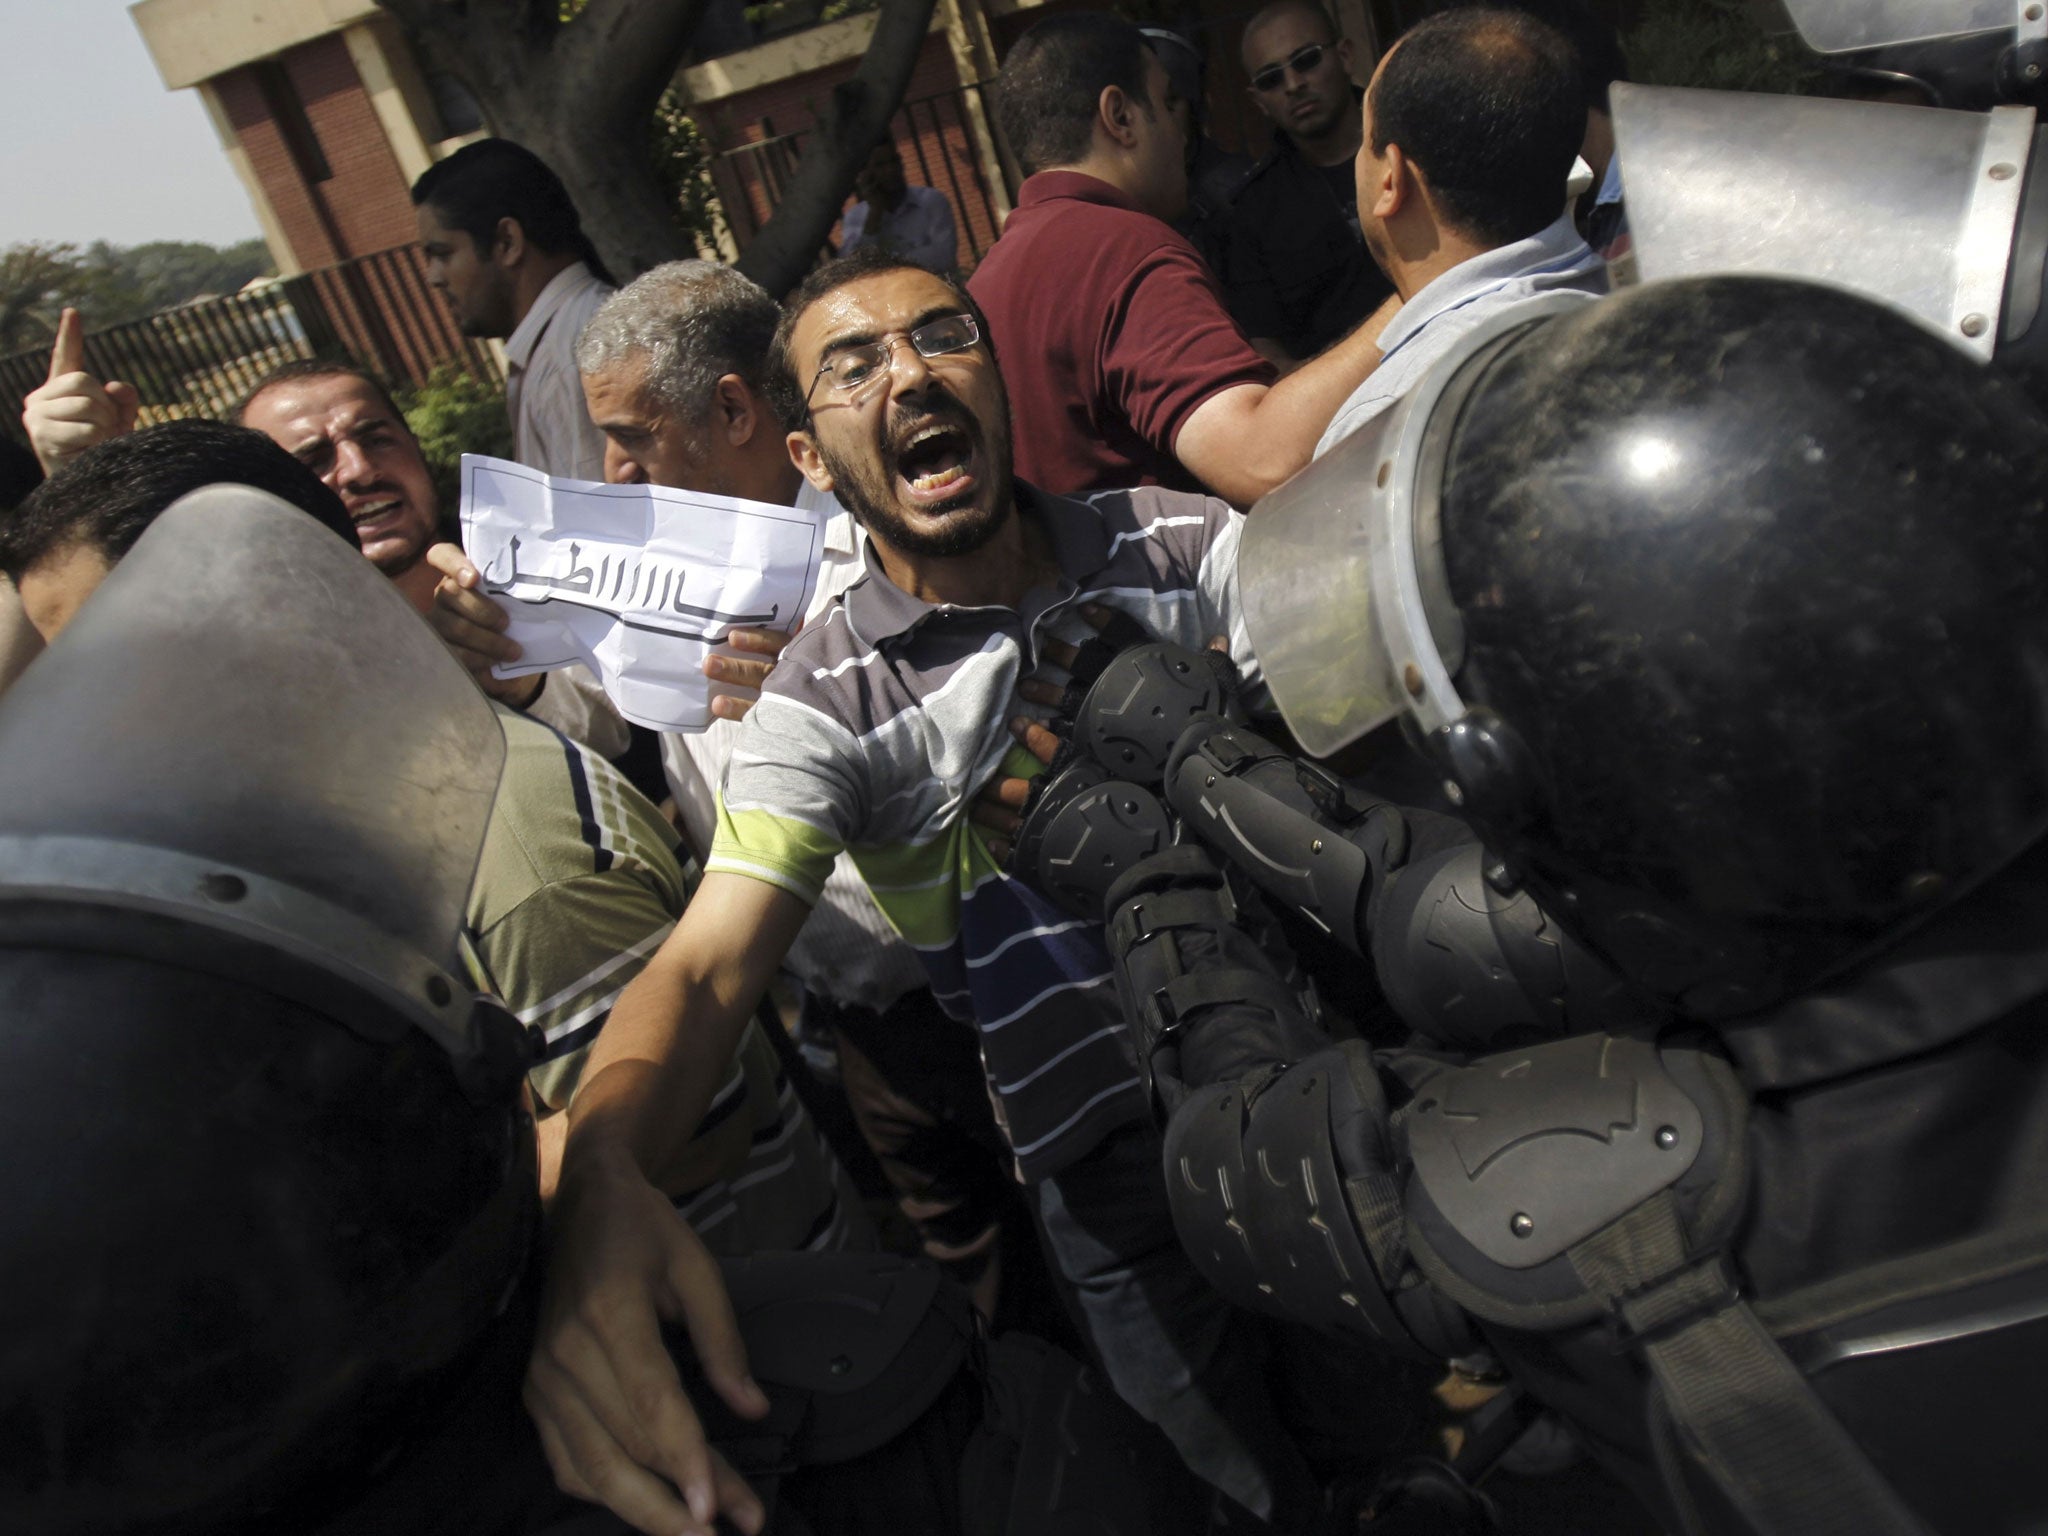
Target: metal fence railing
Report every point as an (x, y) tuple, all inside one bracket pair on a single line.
[(937, 136), (201, 358)]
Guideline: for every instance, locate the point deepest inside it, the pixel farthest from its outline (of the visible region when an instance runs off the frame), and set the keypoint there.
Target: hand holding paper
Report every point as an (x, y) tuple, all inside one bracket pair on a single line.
[(639, 582)]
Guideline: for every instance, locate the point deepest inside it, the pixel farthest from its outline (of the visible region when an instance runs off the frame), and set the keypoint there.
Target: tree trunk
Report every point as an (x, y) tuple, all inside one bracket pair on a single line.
[(778, 257), (581, 94)]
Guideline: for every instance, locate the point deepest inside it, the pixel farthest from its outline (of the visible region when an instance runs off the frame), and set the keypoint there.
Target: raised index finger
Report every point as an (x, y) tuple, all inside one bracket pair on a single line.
[(68, 353)]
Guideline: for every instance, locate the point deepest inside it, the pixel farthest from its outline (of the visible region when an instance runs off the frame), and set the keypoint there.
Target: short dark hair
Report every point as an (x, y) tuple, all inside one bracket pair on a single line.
[(495, 179), (1593, 38), (317, 368), (108, 495), (1276, 8), (1048, 88), (785, 391), (1490, 106)]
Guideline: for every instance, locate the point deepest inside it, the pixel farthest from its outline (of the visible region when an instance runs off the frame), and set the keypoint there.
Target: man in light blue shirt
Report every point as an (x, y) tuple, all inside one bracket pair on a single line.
[(914, 222), (1471, 125)]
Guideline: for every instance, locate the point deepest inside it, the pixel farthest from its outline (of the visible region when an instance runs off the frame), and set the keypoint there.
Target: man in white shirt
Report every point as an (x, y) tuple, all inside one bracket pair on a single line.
[(671, 370), (506, 249), (1472, 122), (914, 222)]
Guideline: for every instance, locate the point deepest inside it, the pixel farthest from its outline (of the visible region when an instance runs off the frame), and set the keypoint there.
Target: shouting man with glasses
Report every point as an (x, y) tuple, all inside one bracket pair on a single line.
[(1295, 267), (885, 717)]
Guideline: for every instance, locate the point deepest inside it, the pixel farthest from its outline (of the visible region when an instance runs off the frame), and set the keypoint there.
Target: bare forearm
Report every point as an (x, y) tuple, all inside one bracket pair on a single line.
[(1301, 404), (654, 1066), (653, 1069), (1245, 441)]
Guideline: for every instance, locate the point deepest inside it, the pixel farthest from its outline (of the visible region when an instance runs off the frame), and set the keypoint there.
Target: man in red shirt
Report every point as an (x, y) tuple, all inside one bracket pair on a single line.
[(1123, 364)]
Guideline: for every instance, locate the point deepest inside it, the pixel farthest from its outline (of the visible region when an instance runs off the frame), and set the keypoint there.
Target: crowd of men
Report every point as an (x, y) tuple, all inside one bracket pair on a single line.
[(1002, 466)]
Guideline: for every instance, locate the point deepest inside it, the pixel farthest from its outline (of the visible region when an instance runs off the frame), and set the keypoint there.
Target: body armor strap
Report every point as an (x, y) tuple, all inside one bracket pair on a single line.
[(1598, 1178), (1750, 1419)]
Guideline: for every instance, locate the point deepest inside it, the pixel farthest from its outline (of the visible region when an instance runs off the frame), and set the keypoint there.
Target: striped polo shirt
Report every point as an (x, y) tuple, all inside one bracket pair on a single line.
[(577, 886), (886, 717)]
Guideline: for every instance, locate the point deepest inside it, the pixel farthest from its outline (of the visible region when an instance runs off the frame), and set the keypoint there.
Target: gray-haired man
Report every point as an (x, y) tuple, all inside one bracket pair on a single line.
[(672, 375)]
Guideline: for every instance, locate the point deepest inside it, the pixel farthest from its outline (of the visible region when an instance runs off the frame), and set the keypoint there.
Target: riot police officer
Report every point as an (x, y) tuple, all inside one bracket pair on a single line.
[(1720, 611)]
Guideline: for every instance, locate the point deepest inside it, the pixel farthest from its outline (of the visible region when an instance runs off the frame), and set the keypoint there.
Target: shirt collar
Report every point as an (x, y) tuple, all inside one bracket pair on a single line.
[(526, 335), (1555, 248), (879, 610), (842, 533), (1610, 184), (1071, 186)]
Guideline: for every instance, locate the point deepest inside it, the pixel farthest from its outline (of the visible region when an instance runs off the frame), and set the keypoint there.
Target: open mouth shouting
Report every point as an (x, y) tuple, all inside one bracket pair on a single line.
[(377, 517), (389, 528), (936, 459)]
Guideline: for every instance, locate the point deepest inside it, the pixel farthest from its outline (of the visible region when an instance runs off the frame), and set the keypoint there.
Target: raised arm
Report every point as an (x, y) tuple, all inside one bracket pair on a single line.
[(1243, 441), (71, 410), (601, 1388)]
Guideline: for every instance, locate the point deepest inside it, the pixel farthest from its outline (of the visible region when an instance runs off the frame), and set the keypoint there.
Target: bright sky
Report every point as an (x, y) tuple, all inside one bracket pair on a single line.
[(95, 147)]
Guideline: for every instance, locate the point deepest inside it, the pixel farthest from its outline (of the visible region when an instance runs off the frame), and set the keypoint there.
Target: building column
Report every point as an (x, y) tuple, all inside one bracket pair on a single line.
[(281, 252), (397, 95)]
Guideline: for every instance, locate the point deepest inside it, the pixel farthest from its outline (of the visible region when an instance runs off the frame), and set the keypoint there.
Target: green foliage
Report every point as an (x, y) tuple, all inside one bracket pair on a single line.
[(454, 413), (682, 159), (1714, 45), (775, 18), (33, 280), (112, 284), (125, 283)]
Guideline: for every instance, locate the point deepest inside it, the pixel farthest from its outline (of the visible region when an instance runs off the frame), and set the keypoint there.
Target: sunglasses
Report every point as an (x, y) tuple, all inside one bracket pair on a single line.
[(1303, 61)]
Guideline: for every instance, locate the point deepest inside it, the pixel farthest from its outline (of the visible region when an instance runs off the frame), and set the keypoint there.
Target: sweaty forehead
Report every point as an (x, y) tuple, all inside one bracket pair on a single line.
[(869, 307), (332, 406)]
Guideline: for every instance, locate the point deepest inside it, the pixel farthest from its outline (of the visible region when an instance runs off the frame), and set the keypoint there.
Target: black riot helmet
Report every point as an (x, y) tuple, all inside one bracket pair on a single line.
[(271, 1179), (1722, 605)]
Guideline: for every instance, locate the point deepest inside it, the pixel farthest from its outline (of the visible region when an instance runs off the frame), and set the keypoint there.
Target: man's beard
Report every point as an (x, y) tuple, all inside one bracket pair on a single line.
[(867, 490)]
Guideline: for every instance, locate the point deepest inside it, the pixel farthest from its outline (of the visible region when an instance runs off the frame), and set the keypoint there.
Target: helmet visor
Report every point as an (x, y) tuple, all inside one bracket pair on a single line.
[(1305, 576), (245, 688)]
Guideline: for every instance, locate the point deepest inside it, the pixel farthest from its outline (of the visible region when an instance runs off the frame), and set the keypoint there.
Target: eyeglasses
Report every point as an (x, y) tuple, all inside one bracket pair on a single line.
[(1303, 61), (852, 371)]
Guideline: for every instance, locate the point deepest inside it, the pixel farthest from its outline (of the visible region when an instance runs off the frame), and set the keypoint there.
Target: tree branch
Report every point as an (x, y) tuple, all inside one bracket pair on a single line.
[(433, 25), (635, 45), (858, 116)]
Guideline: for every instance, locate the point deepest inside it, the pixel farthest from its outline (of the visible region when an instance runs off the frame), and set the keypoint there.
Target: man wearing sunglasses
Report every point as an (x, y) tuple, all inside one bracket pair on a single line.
[(885, 717), (1295, 267), (1123, 363)]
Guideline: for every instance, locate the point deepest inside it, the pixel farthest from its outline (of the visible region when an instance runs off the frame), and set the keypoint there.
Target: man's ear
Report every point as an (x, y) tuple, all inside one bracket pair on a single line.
[(1343, 52), (508, 243), (803, 453), (1396, 185), (1114, 114), (736, 409)]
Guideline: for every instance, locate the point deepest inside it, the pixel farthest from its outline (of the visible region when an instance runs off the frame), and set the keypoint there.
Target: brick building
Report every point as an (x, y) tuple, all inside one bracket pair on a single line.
[(327, 117)]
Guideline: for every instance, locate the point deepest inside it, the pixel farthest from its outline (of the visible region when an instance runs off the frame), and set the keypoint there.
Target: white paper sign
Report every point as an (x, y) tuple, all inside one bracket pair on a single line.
[(638, 582)]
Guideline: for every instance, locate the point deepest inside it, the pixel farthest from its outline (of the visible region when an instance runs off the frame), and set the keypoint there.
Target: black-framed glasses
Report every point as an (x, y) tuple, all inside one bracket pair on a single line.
[(1303, 61), (853, 371)]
